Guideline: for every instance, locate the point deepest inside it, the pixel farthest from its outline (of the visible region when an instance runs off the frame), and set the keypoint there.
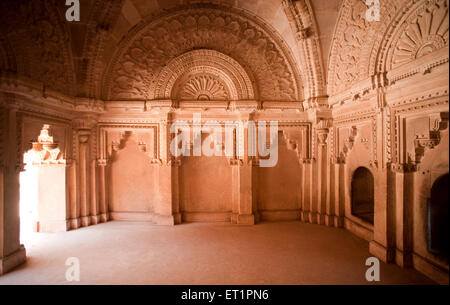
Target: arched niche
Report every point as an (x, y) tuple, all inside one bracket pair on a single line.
[(437, 217), (132, 180), (362, 195), (206, 185)]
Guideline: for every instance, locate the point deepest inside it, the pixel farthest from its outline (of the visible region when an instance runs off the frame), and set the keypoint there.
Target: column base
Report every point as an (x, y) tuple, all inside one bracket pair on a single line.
[(380, 251), (94, 219), (312, 217), (177, 218), (85, 221), (234, 217), (403, 259), (13, 260), (329, 220), (320, 218), (338, 221), (104, 217), (165, 220), (75, 223), (245, 219), (304, 216)]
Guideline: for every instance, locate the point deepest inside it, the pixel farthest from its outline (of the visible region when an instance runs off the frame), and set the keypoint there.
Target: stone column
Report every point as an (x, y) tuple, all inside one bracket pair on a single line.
[(339, 173), (12, 253), (403, 189), (83, 137), (103, 206), (73, 190), (167, 210), (306, 187), (94, 206), (245, 211), (245, 176), (381, 245), (322, 177)]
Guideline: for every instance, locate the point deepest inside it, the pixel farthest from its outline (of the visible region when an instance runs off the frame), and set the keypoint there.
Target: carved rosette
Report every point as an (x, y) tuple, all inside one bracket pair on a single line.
[(432, 138), (204, 88)]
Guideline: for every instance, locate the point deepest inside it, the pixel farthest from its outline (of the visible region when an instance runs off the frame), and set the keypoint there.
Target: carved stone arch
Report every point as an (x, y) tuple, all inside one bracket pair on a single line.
[(153, 43), (356, 41), (41, 43), (205, 72), (419, 29), (303, 23)]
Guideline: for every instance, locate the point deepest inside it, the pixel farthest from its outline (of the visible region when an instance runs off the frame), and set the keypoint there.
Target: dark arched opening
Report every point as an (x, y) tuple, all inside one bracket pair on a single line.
[(437, 224), (363, 194)]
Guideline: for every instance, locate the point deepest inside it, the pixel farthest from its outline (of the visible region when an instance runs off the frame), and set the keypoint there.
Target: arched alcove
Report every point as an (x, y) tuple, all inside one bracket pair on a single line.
[(362, 195), (132, 180), (437, 217)]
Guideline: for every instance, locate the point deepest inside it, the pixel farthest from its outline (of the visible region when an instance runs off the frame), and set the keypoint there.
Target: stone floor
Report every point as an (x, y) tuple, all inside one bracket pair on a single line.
[(142, 253)]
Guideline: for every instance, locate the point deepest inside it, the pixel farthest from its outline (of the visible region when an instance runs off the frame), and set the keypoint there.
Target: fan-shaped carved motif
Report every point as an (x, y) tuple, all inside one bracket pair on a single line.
[(204, 88), (425, 34)]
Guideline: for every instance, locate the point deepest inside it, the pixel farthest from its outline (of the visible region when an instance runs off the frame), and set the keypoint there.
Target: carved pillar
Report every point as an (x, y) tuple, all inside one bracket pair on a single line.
[(12, 253), (244, 176), (167, 210), (103, 206), (306, 168), (322, 177), (83, 137), (73, 189), (339, 189), (402, 201), (246, 197), (235, 189), (381, 245)]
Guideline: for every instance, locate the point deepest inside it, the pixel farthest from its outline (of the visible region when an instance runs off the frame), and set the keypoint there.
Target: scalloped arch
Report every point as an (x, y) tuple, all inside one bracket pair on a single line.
[(202, 62)]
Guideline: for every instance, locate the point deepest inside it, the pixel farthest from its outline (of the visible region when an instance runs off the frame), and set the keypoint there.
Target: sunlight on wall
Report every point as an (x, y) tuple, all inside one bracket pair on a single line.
[(28, 201)]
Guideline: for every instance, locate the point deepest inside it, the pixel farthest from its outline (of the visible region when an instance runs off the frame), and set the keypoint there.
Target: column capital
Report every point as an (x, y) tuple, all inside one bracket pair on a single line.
[(83, 136), (84, 123), (404, 167)]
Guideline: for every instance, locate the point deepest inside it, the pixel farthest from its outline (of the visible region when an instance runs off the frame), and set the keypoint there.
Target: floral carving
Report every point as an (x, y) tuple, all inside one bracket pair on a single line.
[(142, 57), (425, 32), (203, 87)]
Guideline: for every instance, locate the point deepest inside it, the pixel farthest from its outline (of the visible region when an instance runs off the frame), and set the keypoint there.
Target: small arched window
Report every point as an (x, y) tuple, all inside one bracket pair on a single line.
[(362, 190), (437, 222)]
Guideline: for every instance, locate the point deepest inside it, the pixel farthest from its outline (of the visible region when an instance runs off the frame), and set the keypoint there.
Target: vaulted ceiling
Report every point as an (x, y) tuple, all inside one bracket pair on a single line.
[(37, 43), (291, 50)]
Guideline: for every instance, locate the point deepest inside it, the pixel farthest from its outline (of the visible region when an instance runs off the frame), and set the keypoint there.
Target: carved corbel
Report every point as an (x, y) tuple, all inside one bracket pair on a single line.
[(438, 123), (322, 130)]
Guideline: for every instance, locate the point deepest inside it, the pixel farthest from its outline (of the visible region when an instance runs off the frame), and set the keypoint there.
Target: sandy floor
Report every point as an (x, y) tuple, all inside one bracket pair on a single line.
[(142, 253)]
